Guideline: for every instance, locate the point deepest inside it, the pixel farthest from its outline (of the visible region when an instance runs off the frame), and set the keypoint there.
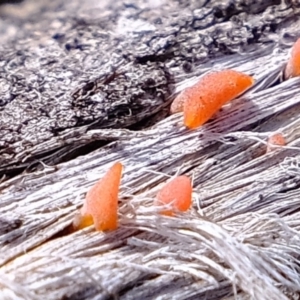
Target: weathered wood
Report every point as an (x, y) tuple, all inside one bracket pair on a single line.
[(70, 67), (242, 235)]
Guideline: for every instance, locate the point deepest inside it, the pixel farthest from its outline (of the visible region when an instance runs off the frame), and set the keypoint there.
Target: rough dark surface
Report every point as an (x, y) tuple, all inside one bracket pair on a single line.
[(78, 75), (66, 67)]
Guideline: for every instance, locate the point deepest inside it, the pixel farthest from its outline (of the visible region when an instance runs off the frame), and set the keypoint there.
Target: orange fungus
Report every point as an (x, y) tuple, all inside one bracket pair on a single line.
[(101, 203), (201, 101), (292, 68), (177, 193), (276, 139)]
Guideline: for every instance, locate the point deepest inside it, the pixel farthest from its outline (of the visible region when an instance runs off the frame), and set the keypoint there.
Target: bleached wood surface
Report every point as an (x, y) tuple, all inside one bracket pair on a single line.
[(241, 232), (241, 239)]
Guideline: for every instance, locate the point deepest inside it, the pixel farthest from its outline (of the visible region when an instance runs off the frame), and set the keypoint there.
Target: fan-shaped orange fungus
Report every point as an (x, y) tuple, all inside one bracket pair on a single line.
[(205, 98), (292, 68), (101, 203), (276, 139), (178, 193)]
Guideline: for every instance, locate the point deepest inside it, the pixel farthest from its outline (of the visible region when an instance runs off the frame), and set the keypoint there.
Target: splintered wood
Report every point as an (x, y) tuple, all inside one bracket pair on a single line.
[(234, 227)]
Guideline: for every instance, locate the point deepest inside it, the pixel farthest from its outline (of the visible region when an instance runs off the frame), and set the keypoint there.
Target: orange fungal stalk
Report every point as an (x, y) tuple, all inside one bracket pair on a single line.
[(101, 203), (201, 101), (177, 193), (292, 68)]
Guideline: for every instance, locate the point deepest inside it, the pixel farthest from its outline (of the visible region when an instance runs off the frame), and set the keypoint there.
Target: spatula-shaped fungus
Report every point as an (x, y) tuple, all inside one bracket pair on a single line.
[(201, 101), (101, 203), (177, 193), (292, 68)]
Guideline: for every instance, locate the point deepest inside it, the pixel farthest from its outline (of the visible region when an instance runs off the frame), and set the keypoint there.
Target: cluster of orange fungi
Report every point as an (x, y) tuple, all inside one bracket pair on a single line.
[(101, 202), (198, 103)]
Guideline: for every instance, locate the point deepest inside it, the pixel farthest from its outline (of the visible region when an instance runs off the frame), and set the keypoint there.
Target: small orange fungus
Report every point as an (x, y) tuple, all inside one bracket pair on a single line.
[(201, 101), (292, 68), (178, 193), (276, 139), (101, 203)]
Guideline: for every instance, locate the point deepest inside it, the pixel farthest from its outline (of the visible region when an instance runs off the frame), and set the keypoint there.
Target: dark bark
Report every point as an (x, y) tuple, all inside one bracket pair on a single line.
[(67, 67)]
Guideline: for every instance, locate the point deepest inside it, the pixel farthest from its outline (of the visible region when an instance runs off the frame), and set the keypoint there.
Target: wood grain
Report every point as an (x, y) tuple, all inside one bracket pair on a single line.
[(241, 239)]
